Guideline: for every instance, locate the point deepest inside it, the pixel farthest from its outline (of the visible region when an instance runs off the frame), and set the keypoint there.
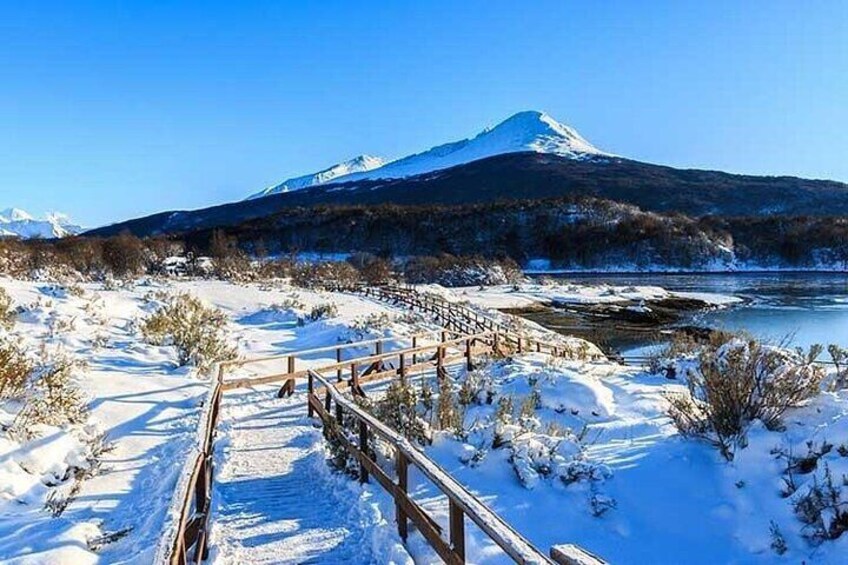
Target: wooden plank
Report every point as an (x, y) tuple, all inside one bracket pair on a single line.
[(457, 529)]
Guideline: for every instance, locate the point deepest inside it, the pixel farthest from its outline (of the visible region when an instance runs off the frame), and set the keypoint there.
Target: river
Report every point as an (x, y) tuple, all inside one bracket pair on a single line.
[(804, 307)]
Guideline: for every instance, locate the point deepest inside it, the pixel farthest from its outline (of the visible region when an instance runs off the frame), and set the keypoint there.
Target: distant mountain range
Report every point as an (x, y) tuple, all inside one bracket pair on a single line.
[(15, 222), (528, 156)]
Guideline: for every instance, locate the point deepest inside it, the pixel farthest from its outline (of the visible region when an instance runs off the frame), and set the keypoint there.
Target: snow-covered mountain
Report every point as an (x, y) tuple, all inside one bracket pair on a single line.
[(15, 222), (358, 164), (526, 131)]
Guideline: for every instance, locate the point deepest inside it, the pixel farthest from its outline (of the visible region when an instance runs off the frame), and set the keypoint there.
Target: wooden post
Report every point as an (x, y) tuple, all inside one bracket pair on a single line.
[(469, 365), (414, 345), (354, 377), (402, 368), (538, 347), (457, 530), (339, 415), (444, 336), (327, 400), (440, 357), (520, 344), (311, 388), (339, 360), (363, 447), (288, 387), (400, 515), (378, 348)]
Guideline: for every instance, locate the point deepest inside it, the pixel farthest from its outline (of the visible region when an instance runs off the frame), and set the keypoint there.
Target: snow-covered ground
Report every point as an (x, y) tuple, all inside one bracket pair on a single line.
[(598, 463), (556, 293)]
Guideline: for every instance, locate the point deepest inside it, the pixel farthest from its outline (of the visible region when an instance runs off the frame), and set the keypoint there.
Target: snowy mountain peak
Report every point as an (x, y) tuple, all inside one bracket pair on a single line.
[(14, 215), (359, 164), (15, 222), (525, 131)]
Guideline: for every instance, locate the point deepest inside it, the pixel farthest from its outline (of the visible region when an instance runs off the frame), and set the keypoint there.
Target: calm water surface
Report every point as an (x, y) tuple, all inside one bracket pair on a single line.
[(810, 307)]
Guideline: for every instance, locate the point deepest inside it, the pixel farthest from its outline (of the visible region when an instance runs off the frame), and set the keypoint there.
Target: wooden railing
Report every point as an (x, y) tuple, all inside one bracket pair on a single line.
[(461, 318), (461, 502), (185, 538)]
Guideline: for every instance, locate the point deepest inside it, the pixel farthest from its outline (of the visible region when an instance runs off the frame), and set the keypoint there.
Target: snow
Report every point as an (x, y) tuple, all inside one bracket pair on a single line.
[(15, 222), (359, 164), (616, 479), (525, 131), (564, 293)]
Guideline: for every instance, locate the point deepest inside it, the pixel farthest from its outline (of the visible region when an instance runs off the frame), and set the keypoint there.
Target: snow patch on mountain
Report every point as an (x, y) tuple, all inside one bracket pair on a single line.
[(525, 131), (15, 222), (358, 164)]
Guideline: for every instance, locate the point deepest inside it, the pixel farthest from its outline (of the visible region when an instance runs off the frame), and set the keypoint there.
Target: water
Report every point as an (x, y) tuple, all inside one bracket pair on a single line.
[(807, 307)]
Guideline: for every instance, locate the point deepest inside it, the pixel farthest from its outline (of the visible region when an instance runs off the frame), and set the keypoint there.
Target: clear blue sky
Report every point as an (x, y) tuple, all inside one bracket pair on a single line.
[(110, 110)]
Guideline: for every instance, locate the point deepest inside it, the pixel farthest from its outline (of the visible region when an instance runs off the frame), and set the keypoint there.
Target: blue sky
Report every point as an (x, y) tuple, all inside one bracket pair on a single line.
[(110, 110)]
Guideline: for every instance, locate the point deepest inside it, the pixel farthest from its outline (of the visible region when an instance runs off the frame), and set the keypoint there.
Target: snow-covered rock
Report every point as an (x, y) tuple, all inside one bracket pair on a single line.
[(15, 222), (358, 164), (525, 131)]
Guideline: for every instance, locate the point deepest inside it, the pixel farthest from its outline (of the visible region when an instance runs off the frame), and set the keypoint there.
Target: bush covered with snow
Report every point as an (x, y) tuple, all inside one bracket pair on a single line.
[(8, 313), (196, 330), (737, 383)]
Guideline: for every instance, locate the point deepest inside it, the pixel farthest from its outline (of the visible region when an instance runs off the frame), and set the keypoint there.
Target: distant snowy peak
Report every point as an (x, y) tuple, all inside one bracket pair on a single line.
[(14, 222), (525, 131), (358, 164)]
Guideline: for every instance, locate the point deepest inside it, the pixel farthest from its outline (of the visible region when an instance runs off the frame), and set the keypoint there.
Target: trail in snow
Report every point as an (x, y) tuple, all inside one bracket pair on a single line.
[(275, 501)]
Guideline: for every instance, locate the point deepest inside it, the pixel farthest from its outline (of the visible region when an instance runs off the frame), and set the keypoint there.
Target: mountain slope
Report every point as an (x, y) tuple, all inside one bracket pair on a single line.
[(356, 165), (525, 131), (528, 175), (15, 222)]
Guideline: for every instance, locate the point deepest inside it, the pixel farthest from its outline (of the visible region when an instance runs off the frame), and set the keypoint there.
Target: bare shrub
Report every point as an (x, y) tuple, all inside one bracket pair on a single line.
[(738, 383), (323, 311), (196, 330), (15, 370), (374, 270), (822, 509), (8, 314), (125, 255), (449, 270), (55, 399), (398, 409), (328, 275), (839, 356)]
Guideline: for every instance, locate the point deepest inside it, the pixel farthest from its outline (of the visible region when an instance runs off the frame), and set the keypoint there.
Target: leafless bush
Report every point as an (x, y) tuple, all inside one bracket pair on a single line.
[(323, 311), (125, 255), (374, 270), (196, 330), (8, 314), (822, 509), (327, 275), (738, 383), (15, 369), (54, 400), (839, 356), (398, 409), (449, 270)]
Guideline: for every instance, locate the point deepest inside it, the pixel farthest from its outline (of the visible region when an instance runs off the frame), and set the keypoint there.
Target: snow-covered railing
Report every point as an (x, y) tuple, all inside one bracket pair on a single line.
[(460, 318), (184, 539), (462, 503)]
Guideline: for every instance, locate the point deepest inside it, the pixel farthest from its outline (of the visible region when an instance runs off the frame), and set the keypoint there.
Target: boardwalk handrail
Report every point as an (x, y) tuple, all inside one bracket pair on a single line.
[(185, 536), (461, 501)]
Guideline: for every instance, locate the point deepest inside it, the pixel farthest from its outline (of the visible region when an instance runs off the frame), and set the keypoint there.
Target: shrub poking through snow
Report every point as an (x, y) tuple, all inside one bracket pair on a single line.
[(839, 356), (196, 330), (738, 383), (398, 410), (323, 311), (823, 508), (324, 275), (15, 370), (8, 314), (449, 412), (54, 400)]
